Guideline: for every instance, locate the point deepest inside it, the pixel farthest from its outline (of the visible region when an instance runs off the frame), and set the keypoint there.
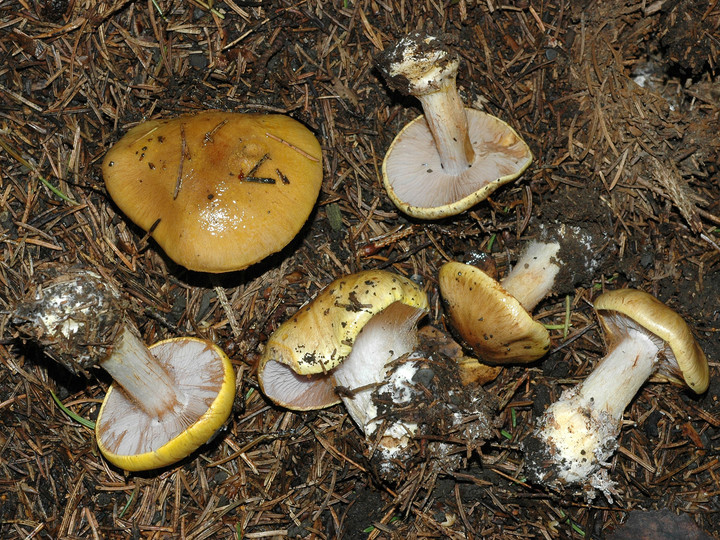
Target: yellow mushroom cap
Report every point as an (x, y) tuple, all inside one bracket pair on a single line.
[(322, 333), (131, 440), (686, 362), (488, 318), (416, 182), (218, 191)]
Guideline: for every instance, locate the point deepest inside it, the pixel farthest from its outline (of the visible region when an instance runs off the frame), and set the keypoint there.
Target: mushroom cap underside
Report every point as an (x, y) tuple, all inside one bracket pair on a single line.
[(133, 441), (690, 366), (489, 319), (218, 191), (416, 183), (322, 333)]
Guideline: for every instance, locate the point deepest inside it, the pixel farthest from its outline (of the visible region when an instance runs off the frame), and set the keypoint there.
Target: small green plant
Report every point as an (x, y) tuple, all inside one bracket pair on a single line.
[(79, 419), (491, 242), (371, 528), (25, 163), (575, 527), (127, 505)]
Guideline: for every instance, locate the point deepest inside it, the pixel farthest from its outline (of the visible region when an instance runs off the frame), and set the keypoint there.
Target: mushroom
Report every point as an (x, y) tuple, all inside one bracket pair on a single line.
[(577, 435), (357, 342), (452, 157), (171, 398), (343, 339), (218, 191), (493, 318)]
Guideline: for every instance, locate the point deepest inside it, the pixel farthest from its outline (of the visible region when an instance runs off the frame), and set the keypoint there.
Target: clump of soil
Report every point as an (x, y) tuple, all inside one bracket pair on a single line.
[(73, 313), (427, 395)]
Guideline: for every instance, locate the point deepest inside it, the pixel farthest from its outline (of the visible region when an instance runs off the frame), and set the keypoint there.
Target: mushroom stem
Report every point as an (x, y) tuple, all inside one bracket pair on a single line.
[(447, 120), (579, 430), (424, 67), (615, 381), (577, 435), (533, 276), (387, 336), (142, 378), (80, 320)]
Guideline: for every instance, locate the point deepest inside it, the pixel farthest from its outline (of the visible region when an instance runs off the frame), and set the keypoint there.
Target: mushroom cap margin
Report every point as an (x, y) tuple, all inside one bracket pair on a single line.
[(185, 180)]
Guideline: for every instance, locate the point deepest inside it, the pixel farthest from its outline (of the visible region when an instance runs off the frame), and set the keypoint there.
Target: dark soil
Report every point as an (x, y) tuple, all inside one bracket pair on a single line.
[(620, 104)]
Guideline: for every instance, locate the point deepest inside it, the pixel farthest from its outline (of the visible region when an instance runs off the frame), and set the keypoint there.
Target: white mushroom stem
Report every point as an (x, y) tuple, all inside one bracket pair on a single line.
[(619, 376), (581, 428), (533, 276), (134, 368), (428, 70), (445, 115), (81, 319), (387, 336)]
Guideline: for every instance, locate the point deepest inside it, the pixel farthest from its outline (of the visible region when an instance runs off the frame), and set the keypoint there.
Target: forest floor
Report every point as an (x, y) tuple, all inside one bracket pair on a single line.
[(620, 104)]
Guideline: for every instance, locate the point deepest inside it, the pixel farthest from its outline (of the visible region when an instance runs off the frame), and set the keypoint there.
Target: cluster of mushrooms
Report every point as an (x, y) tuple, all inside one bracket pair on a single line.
[(220, 191)]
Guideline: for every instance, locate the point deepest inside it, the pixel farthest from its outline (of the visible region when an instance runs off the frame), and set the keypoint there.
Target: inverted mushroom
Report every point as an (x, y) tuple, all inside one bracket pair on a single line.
[(314, 352), (451, 157), (577, 435), (357, 342), (171, 398), (494, 318), (218, 191)]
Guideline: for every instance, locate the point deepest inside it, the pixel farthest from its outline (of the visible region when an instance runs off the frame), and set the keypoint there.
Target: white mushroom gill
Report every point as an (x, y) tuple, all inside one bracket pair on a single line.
[(498, 153), (134, 368), (305, 392)]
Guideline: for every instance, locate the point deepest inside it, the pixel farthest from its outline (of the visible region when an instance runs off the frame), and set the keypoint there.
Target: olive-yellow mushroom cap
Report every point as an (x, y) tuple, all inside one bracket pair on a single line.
[(489, 319), (684, 361), (218, 191), (133, 440), (296, 368)]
